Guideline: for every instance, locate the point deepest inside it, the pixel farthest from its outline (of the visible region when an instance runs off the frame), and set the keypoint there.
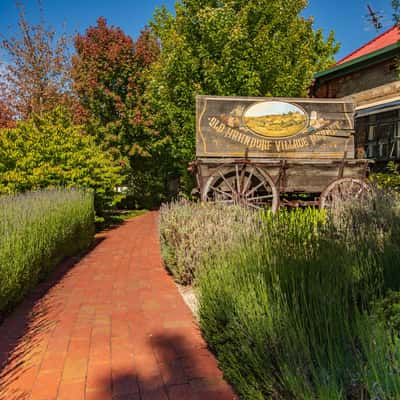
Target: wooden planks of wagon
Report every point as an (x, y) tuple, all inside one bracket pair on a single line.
[(265, 151)]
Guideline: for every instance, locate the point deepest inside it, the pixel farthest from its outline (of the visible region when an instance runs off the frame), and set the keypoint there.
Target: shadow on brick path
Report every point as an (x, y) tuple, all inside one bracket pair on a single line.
[(109, 326), (22, 331)]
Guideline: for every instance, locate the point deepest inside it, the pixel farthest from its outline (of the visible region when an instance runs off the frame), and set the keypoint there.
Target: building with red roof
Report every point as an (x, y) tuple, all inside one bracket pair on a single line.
[(388, 38), (370, 77)]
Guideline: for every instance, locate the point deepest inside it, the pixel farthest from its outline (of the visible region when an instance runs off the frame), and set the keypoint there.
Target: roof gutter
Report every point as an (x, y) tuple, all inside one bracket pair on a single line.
[(378, 109)]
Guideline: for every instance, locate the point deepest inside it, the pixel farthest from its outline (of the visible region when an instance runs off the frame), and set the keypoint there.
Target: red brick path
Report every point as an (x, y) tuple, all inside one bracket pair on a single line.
[(112, 326)]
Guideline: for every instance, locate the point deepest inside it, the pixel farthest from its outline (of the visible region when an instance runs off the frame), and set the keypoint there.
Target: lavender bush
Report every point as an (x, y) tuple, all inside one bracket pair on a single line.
[(37, 230), (192, 232)]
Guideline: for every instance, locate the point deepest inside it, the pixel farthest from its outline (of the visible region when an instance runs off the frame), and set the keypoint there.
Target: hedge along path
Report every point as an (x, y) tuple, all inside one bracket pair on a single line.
[(112, 326)]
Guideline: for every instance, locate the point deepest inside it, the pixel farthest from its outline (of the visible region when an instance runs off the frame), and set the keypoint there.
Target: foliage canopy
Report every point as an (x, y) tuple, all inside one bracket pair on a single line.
[(232, 47)]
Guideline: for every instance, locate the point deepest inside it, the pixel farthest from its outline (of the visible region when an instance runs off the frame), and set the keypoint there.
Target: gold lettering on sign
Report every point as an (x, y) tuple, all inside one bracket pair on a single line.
[(260, 144), (329, 129), (326, 132), (292, 144)]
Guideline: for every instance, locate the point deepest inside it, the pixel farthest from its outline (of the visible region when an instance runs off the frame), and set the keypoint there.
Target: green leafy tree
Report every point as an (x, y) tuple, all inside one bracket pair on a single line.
[(231, 47), (49, 151)]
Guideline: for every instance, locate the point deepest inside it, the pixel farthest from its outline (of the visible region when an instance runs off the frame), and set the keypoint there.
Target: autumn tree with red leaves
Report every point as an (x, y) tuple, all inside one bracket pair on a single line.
[(6, 116), (35, 77), (109, 72)]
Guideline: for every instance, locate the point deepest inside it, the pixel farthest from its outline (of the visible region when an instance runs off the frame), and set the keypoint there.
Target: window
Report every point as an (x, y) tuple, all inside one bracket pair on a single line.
[(371, 133), (396, 147), (383, 136), (371, 145)]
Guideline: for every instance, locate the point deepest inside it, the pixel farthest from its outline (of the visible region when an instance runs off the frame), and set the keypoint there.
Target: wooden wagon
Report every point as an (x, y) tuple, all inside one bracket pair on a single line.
[(272, 151)]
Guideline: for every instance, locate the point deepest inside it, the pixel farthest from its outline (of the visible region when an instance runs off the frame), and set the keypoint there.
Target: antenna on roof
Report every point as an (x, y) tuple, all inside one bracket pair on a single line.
[(374, 18)]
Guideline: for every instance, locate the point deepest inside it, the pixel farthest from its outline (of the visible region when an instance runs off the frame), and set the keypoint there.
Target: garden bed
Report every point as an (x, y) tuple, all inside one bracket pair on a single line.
[(297, 305), (38, 230)]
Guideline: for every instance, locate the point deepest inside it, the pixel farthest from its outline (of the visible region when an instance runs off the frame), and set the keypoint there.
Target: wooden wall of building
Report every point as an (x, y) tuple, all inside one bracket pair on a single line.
[(358, 81)]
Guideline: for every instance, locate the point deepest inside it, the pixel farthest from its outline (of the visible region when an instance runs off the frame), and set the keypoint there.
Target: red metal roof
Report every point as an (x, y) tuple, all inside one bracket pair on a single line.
[(387, 38)]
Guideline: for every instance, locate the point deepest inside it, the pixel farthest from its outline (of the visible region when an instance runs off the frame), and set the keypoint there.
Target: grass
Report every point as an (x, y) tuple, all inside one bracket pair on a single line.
[(37, 231), (292, 304)]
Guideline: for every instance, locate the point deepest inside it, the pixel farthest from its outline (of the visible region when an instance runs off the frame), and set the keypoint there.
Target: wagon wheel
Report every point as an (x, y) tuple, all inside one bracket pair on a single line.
[(344, 189), (242, 184)]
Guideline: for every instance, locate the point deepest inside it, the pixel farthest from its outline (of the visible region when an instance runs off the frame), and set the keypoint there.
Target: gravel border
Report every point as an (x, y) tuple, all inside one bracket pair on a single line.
[(189, 296)]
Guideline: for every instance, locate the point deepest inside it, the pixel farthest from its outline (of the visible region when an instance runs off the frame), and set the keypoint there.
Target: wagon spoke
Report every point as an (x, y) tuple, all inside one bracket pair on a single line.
[(242, 176), (225, 180), (253, 206), (339, 191), (237, 178), (222, 192), (267, 196), (245, 187), (255, 189)]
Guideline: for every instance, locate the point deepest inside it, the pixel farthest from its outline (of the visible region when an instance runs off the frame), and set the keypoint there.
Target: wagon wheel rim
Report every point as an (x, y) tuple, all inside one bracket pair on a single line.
[(246, 185), (344, 190)]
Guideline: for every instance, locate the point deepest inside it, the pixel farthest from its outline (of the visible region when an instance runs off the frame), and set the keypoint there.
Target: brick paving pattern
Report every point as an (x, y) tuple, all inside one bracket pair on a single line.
[(111, 326)]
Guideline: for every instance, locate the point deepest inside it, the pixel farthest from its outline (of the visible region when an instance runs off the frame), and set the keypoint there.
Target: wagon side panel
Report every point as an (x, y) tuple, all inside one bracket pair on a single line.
[(313, 178)]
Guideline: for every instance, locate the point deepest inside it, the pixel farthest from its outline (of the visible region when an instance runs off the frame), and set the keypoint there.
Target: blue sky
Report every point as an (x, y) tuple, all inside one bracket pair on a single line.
[(345, 17)]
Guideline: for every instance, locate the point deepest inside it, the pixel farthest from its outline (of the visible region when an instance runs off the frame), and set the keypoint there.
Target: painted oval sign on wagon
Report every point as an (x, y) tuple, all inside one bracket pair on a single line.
[(275, 119)]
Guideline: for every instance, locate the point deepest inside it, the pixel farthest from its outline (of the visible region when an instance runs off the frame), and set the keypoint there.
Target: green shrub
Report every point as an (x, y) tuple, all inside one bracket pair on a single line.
[(387, 310), (50, 151), (389, 178), (38, 230)]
